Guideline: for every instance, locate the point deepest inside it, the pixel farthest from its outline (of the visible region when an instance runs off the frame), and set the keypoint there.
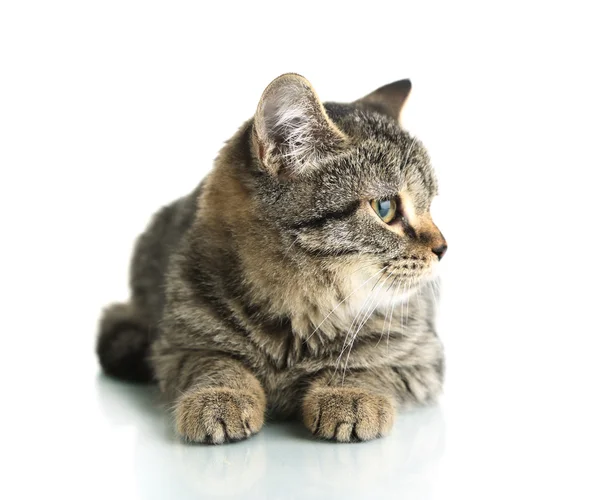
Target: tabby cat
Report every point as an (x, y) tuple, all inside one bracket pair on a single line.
[(296, 279)]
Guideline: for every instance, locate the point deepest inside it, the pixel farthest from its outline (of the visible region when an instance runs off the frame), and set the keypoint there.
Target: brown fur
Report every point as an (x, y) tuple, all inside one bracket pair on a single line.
[(254, 292), (342, 413)]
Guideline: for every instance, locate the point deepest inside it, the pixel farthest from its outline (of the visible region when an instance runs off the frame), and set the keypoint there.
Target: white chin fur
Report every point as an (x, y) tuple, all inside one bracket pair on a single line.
[(379, 296), (388, 298)]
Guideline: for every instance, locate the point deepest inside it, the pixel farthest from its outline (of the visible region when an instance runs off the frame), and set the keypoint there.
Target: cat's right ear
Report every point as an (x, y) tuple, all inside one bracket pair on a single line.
[(292, 130)]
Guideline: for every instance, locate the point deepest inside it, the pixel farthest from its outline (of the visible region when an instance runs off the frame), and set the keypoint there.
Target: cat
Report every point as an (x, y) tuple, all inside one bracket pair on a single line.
[(297, 279)]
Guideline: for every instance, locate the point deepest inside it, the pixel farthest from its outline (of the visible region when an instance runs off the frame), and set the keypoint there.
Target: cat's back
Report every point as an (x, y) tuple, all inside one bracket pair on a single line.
[(153, 250)]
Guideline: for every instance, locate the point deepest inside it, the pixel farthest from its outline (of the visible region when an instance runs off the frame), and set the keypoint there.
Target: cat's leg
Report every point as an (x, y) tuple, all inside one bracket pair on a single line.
[(362, 404), (217, 399)]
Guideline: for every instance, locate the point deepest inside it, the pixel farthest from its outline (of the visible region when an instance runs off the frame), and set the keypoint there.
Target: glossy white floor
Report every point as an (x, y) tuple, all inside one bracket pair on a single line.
[(280, 462), (108, 110), (519, 419)]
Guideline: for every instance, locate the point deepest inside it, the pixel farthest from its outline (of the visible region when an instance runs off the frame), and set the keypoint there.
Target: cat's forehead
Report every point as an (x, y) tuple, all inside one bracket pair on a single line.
[(381, 160), (360, 122)]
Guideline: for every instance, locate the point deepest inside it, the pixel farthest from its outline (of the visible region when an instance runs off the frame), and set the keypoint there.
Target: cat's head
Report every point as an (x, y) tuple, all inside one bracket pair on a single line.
[(345, 186)]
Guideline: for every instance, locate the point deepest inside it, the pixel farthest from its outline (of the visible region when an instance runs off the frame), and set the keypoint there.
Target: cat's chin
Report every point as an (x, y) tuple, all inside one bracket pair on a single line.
[(403, 294), (387, 289), (431, 274), (391, 300)]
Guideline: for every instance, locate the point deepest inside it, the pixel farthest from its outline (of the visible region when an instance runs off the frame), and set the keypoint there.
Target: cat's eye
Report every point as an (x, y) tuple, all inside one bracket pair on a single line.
[(385, 209)]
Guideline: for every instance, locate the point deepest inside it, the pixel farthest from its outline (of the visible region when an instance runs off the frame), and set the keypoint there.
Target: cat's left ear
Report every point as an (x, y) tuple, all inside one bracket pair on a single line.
[(292, 129), (389, 99)]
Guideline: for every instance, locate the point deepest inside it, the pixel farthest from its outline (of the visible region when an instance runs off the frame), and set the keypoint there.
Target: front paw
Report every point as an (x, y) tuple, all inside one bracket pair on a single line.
[(218, 415), (347, 414)]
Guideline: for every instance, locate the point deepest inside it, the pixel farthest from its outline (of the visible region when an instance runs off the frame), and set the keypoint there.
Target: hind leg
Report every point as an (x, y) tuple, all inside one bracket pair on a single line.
[(123, 343)]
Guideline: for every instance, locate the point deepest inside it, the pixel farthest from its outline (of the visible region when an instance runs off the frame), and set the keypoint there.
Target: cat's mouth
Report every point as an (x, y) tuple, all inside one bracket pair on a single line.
[(399, 285), (412, 271), (392, 283), (405, 273)]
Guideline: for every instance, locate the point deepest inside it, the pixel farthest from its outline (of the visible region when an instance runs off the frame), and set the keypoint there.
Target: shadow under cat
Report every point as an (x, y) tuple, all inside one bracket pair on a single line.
[(273, 464)]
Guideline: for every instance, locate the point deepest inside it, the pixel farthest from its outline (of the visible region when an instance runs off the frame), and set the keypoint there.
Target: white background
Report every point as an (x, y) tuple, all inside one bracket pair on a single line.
[(110, 109)]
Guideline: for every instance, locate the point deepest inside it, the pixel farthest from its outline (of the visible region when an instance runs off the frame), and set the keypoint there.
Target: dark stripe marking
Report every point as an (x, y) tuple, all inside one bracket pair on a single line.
[(318, 222), (328, 252)]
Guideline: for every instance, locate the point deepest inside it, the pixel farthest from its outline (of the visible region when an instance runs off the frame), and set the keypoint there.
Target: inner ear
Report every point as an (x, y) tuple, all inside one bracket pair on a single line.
[(292, 128), (389, 99)]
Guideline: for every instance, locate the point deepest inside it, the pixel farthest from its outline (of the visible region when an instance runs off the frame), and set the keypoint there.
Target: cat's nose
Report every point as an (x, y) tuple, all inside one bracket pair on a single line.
[(440, 250)]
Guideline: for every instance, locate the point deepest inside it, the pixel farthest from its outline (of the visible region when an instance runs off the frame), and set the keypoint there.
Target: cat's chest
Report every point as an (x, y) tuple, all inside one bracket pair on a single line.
[(361, 326), (358, 338), (357, 312)]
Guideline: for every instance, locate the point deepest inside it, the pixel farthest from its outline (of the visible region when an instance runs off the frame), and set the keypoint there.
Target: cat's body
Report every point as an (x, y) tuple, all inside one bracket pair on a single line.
[(273, 285)]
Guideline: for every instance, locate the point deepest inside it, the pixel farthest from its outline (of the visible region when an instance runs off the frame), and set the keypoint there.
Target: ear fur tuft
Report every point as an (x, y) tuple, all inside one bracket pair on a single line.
[(292, 128)]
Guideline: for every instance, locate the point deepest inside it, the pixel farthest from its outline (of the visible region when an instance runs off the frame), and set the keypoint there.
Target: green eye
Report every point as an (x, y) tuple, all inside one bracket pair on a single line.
[(385, 209)]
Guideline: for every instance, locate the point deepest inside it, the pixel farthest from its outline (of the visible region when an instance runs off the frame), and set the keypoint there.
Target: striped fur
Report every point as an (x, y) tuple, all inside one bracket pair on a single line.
[(274, 286)]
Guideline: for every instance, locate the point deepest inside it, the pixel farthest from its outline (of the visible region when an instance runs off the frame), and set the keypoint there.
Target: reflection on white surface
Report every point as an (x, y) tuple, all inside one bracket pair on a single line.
[(282, 461)]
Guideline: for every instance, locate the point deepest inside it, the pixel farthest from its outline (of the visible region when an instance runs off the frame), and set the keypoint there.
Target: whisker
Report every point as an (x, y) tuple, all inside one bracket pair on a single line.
[(342, 301), (402, 313), (390, 308), (367, 303), (364, 321), (390, 323), (433, 295), (371, 300), (344, 345), (419, 293), (290, 247), (408, 304)]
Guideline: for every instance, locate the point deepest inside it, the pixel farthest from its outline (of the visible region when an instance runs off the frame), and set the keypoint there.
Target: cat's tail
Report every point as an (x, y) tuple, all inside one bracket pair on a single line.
[(123, 344)]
